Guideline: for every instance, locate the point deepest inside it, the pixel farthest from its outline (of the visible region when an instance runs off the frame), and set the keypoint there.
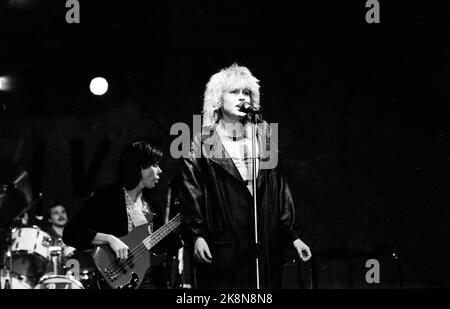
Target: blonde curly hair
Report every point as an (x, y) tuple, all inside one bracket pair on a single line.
[(229, 78)]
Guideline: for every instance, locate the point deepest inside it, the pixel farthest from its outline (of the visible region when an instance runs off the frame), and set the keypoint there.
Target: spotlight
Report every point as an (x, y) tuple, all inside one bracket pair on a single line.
[(98, 86), (5, 83)]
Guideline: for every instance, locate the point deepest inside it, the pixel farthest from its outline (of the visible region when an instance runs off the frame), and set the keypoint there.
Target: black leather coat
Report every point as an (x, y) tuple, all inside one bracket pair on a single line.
[(217, 205)]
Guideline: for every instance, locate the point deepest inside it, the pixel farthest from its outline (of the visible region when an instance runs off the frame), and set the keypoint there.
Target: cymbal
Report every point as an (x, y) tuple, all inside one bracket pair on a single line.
[(16, 195), (23, 184)]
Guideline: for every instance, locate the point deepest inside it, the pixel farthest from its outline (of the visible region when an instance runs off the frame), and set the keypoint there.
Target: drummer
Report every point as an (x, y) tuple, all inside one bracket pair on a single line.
[(57, 219)]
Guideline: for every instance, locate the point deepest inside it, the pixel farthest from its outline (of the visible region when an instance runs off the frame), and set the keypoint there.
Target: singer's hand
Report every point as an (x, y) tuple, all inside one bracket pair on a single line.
[(201, 251), (303, 250)]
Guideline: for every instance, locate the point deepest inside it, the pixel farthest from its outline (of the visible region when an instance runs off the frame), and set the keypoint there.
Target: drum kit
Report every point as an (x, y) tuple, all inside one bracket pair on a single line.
[(31, 258), (33, 261)]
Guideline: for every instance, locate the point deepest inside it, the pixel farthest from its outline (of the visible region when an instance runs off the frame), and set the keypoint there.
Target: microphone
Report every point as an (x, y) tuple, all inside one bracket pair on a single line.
[(247, 108)]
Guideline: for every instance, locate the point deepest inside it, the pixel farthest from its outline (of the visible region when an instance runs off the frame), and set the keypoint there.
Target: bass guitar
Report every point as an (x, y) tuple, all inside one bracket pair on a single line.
[(130, 273)]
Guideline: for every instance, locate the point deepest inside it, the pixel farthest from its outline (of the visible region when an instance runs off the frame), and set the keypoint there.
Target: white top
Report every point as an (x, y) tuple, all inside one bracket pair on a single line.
[(136, 211), (240, 151)]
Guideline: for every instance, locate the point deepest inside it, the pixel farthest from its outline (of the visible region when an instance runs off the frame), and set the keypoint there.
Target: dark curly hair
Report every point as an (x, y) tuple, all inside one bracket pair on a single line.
[(135, 157), (48, 209)]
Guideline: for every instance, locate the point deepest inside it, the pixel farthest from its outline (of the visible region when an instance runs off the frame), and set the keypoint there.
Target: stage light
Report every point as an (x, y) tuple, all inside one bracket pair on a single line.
[(5, 83), (98, 86)]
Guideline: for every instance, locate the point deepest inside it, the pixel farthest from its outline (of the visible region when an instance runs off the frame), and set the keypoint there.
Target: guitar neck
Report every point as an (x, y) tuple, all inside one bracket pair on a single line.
[(162, 232)]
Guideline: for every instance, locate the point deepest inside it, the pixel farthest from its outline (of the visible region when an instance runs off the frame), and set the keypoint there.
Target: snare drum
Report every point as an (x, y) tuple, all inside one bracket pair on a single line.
[(58, 282), (30, 254)]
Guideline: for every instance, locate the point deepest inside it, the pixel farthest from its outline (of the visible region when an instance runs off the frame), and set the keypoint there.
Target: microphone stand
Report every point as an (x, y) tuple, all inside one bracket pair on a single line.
[(253, 119)]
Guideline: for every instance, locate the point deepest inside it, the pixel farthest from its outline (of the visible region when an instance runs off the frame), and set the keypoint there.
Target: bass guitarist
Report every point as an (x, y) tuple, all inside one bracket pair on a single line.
[(117, 209)]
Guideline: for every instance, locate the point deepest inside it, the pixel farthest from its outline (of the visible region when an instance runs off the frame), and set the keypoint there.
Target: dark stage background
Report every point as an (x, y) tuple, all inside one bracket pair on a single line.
[(362, 108)]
